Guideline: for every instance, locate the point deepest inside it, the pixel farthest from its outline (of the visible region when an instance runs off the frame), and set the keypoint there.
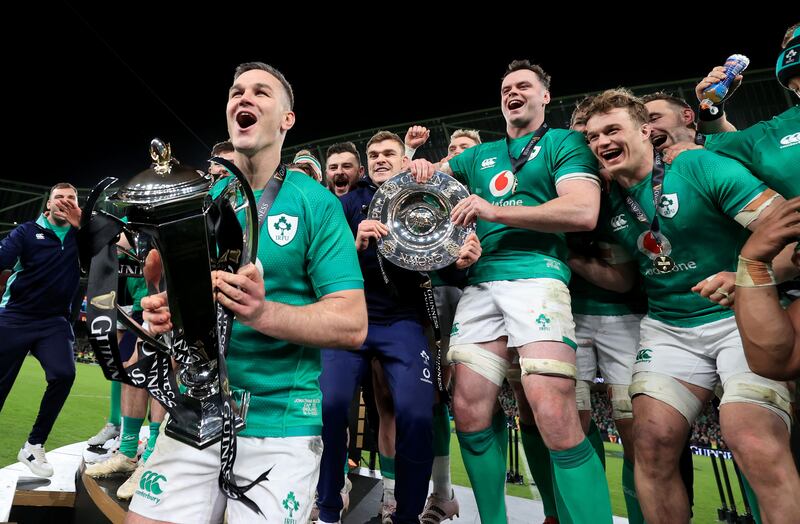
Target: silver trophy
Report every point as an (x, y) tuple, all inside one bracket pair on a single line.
[(170, 204), (421, 236)]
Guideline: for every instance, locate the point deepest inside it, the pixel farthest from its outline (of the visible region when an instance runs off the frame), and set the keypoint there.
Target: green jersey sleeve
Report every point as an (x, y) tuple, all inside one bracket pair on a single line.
[(332, 259), (730, 185), (461, 165), (574, 159)]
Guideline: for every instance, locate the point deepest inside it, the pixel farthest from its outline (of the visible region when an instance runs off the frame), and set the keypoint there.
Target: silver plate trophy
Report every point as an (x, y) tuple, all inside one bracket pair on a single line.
[(421, 236), (194, 234)]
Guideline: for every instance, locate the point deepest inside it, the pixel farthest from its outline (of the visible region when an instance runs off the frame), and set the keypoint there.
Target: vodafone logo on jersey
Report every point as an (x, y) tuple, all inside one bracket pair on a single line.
[(501, 183)]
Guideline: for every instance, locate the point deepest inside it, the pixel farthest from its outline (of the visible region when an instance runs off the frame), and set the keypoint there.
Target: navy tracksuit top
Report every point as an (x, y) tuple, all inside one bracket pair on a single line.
[(45, 275)]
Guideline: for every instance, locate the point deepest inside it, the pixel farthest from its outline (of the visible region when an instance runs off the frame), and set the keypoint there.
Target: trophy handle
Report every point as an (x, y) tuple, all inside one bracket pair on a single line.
[(94, 196), (140, 332), (251, 225)]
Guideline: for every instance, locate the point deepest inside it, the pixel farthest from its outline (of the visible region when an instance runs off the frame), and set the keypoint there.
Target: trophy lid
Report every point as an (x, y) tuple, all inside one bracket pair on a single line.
[(165, 181)]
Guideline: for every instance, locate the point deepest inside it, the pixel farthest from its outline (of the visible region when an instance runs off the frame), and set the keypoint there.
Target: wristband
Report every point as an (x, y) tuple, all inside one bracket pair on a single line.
[(753, 273)]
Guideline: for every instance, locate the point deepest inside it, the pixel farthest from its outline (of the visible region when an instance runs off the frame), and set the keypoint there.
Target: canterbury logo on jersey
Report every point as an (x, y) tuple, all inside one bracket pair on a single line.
[(619, 222), (151, 485), (39, 236), (790, 140), (501, 183), (488, 162), (150, 482)]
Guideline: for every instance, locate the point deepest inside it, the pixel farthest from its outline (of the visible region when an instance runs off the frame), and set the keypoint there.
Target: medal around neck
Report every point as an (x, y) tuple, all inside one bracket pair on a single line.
[(421, 236)]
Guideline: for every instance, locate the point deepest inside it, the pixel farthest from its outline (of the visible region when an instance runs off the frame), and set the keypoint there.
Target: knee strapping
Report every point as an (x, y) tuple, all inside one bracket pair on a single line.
[(481, 361), (547, 366), (667, 390), (583, 395), (621, 406), (754, 389)]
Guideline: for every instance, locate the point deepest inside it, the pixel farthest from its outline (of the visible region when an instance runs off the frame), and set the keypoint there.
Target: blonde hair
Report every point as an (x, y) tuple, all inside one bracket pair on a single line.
[(472, 134)]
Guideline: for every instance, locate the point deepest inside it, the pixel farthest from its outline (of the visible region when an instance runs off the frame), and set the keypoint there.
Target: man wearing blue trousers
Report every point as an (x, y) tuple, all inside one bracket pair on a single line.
[(35, 311), (396, 339)]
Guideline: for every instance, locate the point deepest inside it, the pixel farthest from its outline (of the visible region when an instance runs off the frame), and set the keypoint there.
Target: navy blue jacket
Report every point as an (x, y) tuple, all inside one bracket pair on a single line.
[(403, 299), (46, 272)]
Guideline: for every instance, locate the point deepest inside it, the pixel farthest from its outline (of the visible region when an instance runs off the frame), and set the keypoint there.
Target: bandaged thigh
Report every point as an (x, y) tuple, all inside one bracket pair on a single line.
[(483, 362), (755, 389), (583, 395), (621, 406), (668, 390), (547, 366)]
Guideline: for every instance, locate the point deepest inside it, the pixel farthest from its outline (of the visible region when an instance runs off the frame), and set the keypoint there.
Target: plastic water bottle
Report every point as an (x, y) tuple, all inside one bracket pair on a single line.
[(715, 93)]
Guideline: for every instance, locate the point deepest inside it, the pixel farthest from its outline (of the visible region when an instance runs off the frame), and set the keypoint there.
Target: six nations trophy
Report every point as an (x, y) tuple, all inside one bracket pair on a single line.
[(168, 208)]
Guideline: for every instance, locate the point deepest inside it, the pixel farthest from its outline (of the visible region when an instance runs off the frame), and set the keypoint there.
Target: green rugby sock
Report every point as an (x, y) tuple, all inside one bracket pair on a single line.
[(440, 473), (752, 500), (387, 466), (151, 440), (500, 429), (441, 431), (635, 515), (597, 442), (486, 467), (116, 392), (539, 464), (129, 442), (583, 486)]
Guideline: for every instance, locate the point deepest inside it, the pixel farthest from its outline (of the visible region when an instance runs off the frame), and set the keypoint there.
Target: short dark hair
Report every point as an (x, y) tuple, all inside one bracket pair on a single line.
[(343, 147), (620, 98), (382, 136), (62, 185), (226, 146), (518, 65), (249, 66), (675, 101), (672, 99)]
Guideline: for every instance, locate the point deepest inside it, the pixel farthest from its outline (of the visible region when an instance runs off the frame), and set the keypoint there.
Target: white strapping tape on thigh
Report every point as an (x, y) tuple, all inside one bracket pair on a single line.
[(481, 361), (621, 406), (583, 395), (547, 366), (668, 390), (755, 389)]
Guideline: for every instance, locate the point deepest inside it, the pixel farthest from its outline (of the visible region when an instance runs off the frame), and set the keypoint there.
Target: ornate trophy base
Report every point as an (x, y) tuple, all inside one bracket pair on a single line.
[(202, 426)]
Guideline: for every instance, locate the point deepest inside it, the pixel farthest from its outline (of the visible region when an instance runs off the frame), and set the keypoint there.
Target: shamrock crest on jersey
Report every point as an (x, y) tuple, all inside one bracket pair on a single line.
[(282, 228), (668, 206)]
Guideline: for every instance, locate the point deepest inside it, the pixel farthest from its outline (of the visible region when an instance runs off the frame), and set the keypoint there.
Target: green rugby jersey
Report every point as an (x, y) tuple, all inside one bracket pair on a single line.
[(511, 253), (307, 251), (770, 149), (703, 193), (137, 287), (588, 299)]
